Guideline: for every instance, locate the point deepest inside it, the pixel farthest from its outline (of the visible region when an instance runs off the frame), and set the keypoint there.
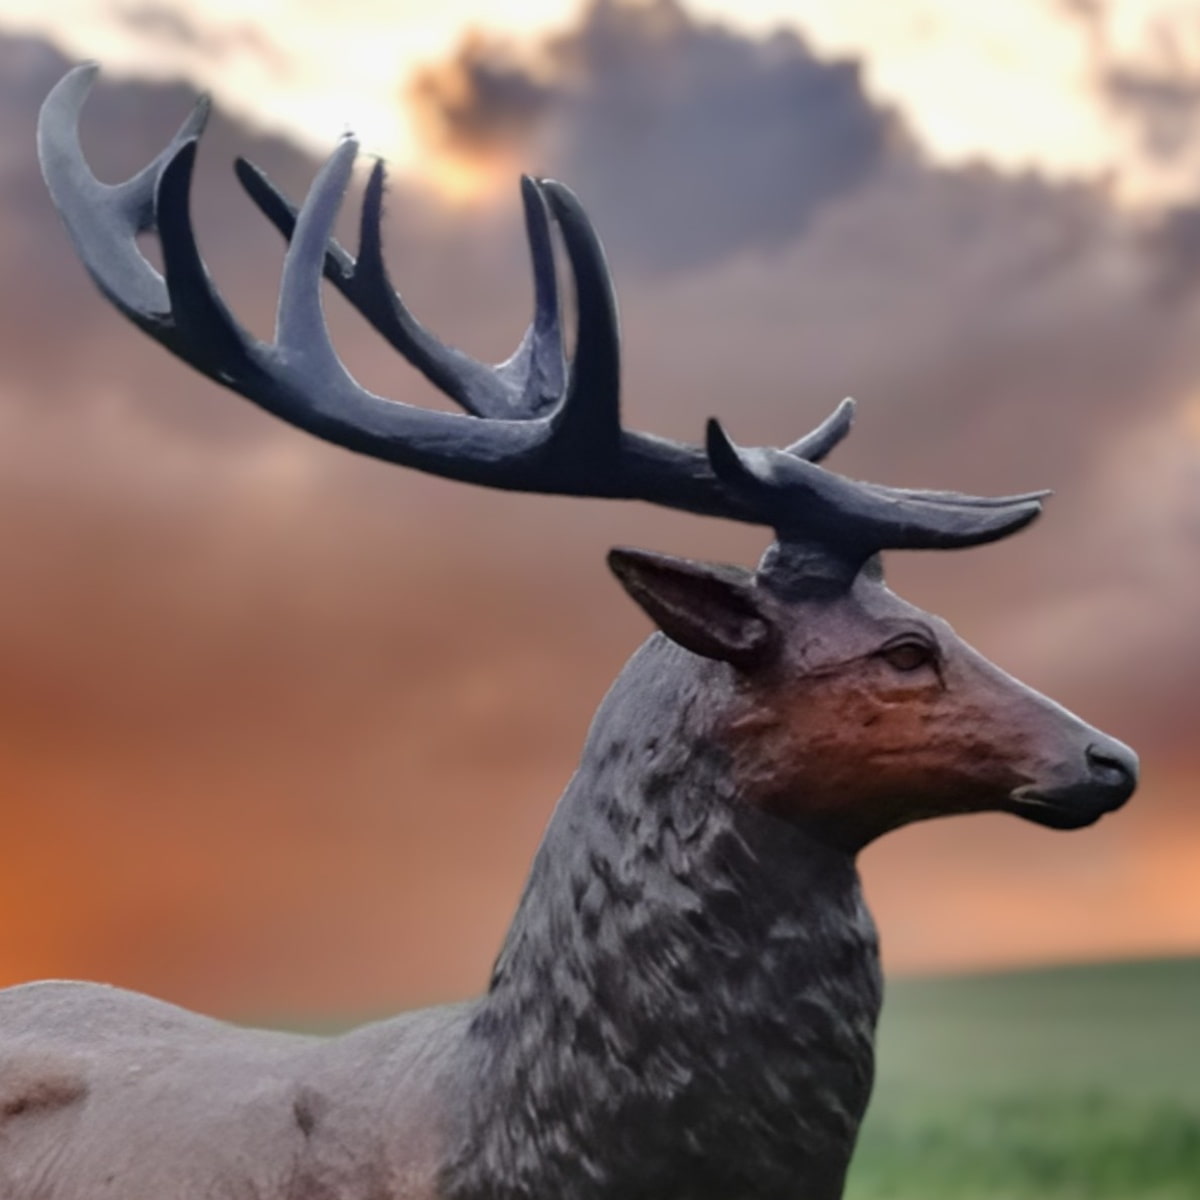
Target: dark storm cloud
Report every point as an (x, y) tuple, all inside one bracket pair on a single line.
[(697, 140)]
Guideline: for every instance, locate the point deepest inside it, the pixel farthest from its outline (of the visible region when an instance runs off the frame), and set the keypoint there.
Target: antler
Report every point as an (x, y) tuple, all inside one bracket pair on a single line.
[(798, 498), (533, 423), (528, 384)]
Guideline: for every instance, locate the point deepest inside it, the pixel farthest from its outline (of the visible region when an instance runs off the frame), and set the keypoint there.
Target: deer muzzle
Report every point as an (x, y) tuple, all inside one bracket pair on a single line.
[(1102, 781)]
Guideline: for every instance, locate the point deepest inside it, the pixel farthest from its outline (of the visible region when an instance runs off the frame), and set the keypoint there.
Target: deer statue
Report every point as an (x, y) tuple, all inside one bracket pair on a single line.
[(684, 1007)]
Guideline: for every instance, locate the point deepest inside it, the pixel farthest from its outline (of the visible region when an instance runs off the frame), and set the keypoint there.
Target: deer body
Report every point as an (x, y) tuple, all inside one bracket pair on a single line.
[(685, 1004), (109, 1093)]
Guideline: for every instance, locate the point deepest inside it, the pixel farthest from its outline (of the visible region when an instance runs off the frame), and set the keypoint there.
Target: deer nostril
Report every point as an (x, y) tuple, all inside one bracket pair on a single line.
[(1114, 766)]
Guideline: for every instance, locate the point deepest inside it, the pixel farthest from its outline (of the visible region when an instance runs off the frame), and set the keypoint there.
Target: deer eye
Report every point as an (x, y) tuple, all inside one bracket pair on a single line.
[(910, 654)]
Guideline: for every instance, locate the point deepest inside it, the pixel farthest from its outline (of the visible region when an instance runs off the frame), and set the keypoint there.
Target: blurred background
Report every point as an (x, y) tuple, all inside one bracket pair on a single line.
[(280, 726)]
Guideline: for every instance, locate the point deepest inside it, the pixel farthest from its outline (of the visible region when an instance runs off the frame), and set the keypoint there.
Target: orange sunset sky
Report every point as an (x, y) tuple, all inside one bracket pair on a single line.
[(279, 726)]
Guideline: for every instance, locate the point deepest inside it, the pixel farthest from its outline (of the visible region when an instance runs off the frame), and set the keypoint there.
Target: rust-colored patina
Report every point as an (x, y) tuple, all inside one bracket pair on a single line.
[(684, 1007)]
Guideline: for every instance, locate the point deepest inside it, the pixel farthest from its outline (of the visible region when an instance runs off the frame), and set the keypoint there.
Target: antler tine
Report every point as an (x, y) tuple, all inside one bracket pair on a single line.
[(589, 416), (281, 212), (804, 502), (959, 500), (199, 327), (814, 446), (526, 385), (104, 219), (537, 369), (300, 328)]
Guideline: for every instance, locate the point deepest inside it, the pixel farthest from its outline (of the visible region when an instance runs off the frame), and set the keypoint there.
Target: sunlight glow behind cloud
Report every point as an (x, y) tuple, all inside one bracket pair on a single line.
[(308, 70), (1014, 85)]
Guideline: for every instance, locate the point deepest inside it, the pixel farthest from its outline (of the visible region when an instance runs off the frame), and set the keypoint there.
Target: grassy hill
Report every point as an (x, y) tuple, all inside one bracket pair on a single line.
[(1077, 1083)]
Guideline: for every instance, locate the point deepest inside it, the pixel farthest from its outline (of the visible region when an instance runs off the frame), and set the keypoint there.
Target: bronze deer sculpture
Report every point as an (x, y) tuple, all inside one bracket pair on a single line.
[(684, 1007)]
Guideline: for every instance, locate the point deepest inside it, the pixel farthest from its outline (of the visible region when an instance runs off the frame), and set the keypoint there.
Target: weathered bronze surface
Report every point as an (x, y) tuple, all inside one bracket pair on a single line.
[(684, 1007)]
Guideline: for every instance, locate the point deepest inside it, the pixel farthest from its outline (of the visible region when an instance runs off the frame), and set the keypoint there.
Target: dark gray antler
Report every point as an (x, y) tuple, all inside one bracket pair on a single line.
[(799, 500), (533, 423), (529, 384)]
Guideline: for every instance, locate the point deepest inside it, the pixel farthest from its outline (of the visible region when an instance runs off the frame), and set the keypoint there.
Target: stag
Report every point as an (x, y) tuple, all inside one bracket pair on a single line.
[(684, 1006)]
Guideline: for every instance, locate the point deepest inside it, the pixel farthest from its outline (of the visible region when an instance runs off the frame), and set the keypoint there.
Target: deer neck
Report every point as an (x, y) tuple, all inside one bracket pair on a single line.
[(685, 1004)]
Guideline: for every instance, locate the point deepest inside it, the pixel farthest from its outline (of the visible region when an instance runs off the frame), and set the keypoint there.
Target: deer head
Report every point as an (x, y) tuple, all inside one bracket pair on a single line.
[(847, 711), (854, 712)]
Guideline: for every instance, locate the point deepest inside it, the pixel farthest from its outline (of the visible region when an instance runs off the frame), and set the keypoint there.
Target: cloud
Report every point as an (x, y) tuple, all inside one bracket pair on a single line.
[(485, 98), (1164, 108), (699, 140), (171, 25), (1145, 71), (160, 21)]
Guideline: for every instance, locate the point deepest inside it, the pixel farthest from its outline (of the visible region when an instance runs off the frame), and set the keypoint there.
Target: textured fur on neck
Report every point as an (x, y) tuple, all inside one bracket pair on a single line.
[(685, 1005)]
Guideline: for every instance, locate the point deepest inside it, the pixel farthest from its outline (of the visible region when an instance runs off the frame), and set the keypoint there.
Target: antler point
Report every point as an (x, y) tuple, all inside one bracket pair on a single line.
[(722, 452)]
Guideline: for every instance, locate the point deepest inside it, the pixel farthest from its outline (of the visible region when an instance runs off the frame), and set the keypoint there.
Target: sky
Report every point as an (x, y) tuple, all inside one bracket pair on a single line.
[(1029, 83), (279, 726)]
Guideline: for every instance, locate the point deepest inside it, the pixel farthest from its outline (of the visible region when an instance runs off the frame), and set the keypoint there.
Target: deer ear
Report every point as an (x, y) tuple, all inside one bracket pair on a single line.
[(708, 609)]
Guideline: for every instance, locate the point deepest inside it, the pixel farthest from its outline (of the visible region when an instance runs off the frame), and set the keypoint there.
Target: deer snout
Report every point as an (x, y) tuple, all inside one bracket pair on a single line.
[(1088, 785)]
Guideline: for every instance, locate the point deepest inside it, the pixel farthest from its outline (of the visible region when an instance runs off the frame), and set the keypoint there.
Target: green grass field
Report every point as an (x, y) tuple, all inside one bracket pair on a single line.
[(1079, 1083)]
